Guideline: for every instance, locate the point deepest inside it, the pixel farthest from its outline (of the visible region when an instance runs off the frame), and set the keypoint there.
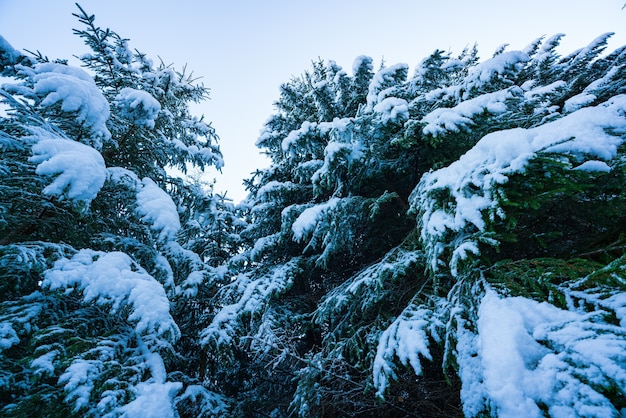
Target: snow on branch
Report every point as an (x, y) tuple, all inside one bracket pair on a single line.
[(308, 219), (298, 138), (158, 210), (501, 65), (471, 182), (77, 92), (155, 207), (407, 339), (209, 402), (294, 136), (153, 400), (79, 169), (392, 109), (383, 81), (535, 355), (80, 378), (138, 106), (8, 336), (251, 297), (444, 120), (115, 280)]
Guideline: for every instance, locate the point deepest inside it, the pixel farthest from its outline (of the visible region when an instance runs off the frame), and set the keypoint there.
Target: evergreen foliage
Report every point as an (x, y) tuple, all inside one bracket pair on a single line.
[(401, 235), (446, 243), (102, 250)]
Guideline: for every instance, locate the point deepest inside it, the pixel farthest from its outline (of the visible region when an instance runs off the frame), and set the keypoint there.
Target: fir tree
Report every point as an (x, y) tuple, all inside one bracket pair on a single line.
[(391, 245), (103, 252), (443, 244)]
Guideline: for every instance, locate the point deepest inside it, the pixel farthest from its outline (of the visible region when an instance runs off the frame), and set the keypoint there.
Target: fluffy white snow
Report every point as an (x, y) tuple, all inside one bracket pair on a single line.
[(443, 120), (533, 353), (392, 109), (471, 179), (532, 93), (8, 336), (594, 166), (138, 106), (158, 210), (382, 81), (115, 280), (154, 205), (77, 92), (497, 66), (44, 363), (154, 400), (576, 102), (79, 169), (154, 397), (309, 217)]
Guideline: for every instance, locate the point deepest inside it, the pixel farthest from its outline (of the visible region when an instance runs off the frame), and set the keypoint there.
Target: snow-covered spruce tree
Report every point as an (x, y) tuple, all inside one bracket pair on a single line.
[(445, 244), (103, 252)]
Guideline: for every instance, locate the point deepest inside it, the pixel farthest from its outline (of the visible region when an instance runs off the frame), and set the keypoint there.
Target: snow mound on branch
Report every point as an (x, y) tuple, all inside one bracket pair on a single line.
[(499, 65), (115, 280), (444, 120), (154, 400), (138, 106), (337, 126), (306, 128), (535, 355), (158, 210), (80, 169), (382, 81), (44, 363), (362, 60), (471, 180), (154, 205), (594, 166), (309, 217), (8, 336), (392, 109), (580, 100), (77, 92)]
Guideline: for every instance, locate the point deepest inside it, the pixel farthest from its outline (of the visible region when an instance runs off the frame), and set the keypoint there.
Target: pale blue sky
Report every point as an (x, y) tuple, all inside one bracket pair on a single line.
[(245, 49)]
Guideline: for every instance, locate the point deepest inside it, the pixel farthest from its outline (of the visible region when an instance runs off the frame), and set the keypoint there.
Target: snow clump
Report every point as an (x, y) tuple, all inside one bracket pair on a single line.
[(138, 106), (79, 169)]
